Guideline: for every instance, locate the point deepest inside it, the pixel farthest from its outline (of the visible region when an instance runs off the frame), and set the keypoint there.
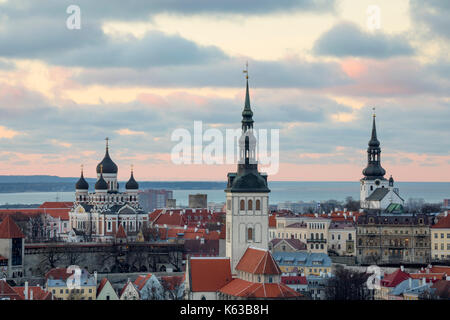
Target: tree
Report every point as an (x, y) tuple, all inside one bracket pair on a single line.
[(51, 257), (351, 204), (348, 285), (172, 287)]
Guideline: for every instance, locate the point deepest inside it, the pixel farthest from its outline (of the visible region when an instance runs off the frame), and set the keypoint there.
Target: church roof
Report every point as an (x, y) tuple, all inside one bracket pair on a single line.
[(82, 183), (378, 194), (101, 183), (9, 229), (258, 261), (249, 181), (209, 274), (247, 289)]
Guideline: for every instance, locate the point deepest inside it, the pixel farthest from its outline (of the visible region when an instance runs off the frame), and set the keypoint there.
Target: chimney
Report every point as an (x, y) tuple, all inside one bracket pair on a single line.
[(410, 283), (95, 276), (424, 281), (31, 294), (345, 210), (25, 292), (402, 268)]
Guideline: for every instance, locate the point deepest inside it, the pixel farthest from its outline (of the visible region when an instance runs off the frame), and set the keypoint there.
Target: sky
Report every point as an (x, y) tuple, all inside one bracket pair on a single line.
[(135, 71)]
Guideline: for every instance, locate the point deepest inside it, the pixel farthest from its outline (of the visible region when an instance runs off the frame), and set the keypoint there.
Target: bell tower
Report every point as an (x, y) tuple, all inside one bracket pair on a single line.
[(247, 195)]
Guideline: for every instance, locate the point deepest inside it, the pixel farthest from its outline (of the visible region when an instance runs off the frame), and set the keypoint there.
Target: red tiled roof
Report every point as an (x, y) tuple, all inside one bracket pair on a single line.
[(9, 229), (6, 291), (120, 234), (428, 276), (258, 261), (294, 280), (141, 281), (243, 288), (443, 223), (38, 293), (56, 205), (61, 273), (395, 278), (437, 269), (209, 274)]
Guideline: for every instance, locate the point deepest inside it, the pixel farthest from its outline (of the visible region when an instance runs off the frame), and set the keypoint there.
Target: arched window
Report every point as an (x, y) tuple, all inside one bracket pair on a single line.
[(258, 205), (250, 234), (250, 204), (242, 206)]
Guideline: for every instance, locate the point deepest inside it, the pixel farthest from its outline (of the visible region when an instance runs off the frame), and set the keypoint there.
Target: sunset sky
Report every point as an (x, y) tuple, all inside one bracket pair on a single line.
[(138, 70)]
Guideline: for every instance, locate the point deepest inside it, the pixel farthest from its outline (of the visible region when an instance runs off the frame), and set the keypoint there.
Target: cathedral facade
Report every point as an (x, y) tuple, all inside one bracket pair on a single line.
[(96, 216)]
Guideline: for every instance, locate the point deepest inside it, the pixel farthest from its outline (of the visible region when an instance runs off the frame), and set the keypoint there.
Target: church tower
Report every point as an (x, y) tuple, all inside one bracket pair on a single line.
[(373, 173), (247, 194)]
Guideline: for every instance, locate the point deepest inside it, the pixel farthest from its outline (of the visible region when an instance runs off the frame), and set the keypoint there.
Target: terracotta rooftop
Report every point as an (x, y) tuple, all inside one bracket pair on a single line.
[(443, 223), (38, 293), (258, 261), (6, 291), (209, 274), (243, 288), (9, 229), (395, 278), (142, 280)]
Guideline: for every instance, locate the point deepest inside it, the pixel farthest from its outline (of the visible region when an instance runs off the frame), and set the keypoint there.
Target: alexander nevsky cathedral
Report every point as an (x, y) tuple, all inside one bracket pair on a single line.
[(103, 214)]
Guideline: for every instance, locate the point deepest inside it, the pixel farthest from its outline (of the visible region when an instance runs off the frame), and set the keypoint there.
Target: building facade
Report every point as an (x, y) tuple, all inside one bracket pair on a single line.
[(440, 239), (392, 238), (98, 214)]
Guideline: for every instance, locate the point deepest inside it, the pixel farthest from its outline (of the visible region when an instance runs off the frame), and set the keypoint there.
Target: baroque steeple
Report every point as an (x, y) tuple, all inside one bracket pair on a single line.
[(247, 178), (374, 170)]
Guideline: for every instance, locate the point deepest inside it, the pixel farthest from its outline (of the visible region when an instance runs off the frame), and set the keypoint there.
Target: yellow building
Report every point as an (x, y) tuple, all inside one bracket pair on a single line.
[(440, 239), (64, 286), (311, 230), (303, 263)]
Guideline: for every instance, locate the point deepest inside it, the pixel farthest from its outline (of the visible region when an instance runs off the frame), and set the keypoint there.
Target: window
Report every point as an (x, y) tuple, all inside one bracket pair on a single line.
[(242, 205), (258, 205), (442, 236), (249, 234), (250, 204)]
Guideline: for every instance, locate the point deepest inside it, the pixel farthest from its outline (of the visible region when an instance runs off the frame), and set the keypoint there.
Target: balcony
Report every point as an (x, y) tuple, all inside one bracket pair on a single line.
[(316, 240)]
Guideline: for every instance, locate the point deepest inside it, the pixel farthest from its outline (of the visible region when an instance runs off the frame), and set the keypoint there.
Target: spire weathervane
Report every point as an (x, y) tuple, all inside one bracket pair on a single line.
[(107, 143), (374, 112), (82, 167), (246, 70)]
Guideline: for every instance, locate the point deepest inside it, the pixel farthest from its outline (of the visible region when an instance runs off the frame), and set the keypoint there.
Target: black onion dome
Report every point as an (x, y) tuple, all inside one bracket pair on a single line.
[(101, 183), (132, 184), (108, 165), (374, 171), (249, 182), (82, 183)]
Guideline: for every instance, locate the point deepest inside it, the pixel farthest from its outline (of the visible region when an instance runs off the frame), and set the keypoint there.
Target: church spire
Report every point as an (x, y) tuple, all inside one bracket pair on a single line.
[(374, 170), (247, 114)]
